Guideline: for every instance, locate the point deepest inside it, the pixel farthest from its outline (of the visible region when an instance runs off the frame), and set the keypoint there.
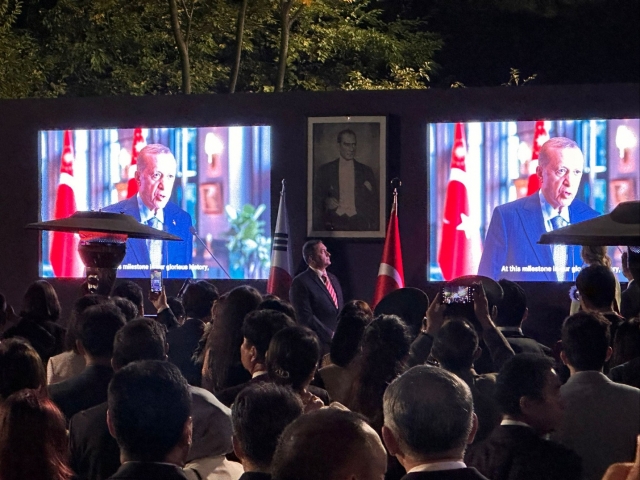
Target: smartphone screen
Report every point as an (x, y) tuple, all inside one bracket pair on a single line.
[(156, 280), (456, 294)]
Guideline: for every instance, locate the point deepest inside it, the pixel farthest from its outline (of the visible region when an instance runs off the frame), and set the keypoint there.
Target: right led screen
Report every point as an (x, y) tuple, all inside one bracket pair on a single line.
[(475, 167)]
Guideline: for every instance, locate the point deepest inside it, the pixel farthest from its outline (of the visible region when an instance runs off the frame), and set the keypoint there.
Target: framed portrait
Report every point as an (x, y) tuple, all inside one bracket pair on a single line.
[(211, 198), (346, 177)]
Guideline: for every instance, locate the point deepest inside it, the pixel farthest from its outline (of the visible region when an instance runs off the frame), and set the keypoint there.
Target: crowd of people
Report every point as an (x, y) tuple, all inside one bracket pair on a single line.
[(236, 386)]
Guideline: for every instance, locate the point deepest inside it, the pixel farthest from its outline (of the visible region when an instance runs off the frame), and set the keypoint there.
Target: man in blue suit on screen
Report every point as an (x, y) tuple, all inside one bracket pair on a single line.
[(511, 250), (155, 176)]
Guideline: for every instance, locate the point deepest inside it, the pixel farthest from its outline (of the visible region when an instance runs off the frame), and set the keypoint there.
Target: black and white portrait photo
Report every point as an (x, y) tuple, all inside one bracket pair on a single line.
[(346, 176)]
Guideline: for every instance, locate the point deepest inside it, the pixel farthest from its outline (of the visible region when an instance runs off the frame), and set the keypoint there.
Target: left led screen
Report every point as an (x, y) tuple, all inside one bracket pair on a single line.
[(216, 179)]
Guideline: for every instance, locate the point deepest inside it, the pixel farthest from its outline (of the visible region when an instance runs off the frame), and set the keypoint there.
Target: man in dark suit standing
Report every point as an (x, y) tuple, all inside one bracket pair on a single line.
[(428, 422), (510, 247), (345, 191), (155, 176), (316, 294)]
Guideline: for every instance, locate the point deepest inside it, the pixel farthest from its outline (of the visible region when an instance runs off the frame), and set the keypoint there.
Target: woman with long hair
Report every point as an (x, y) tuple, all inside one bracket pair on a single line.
[(222, 366), (33, 439), (39, 313), (384, 350)]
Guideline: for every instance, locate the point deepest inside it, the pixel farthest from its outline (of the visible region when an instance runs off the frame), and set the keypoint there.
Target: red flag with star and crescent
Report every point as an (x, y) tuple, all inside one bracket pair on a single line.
[(391, 271), (460, 245), (63, 255), (540, 136), (138, 144)]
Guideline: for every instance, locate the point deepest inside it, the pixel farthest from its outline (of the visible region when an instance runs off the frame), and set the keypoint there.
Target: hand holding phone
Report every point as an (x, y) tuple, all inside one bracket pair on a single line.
[(156, 280)]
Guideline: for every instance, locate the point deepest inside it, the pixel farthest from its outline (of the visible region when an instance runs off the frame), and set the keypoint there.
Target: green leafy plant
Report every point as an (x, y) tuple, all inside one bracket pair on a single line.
[(249, 249)]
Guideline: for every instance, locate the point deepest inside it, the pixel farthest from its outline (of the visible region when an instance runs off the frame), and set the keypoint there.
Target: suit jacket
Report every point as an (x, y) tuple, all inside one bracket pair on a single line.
[(327, 184), (512, 240), (183, 341), (95, 454), (517, 453), (458, 474), (313, 304), (176, 222), (630, 300), (522, 344), (148, 471), (627, 373), (601, 421), (255, 476), (83, 391)]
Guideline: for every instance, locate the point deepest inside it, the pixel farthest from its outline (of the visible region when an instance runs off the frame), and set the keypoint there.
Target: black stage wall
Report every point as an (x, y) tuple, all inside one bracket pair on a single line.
[(355, 262)]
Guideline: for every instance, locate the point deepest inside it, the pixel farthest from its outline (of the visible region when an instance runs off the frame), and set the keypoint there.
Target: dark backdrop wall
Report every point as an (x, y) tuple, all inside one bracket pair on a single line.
[(355, 261)]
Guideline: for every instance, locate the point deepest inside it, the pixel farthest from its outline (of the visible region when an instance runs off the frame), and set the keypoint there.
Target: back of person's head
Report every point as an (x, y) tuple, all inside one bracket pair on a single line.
[(260, 326), (198, 299), (140, 339), (513, 306), (430, 413), (633, 262), (259, 415), (309, 249), (595, 255), (175, 304), (455, 345), (149, 406), (40, 302), (79, 306), (97, 328), (356, 306), (129, 290), (127, 307), (384, 349), (349, 331), (224, 339), (524, 378), (585, 340), (626, 343), (329, 444), (597, 284), (293, 356), (271, 302), (20, 367), (33, 438)]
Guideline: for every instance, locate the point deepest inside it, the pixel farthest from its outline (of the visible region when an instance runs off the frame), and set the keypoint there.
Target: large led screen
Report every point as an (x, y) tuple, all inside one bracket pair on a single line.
[(490, 197), (208, 185)]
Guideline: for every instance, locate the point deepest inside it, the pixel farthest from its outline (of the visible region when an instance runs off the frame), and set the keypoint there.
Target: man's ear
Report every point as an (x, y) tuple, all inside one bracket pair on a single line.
[(539, 171), (112, 430), (477, 354), (80, 348), (563, 357), (254, 354), (390, 441), (608, 355), (524, 317), (187, 432), (494, 313), (237, 448), (474, 429)]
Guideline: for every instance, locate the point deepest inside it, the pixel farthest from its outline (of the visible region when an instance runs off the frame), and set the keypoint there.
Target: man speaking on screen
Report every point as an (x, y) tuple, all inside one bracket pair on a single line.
[(155, 176), (511, 250)]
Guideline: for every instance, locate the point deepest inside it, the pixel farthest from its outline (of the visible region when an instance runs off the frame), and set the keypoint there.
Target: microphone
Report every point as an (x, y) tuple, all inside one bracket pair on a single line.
[(193, 231)]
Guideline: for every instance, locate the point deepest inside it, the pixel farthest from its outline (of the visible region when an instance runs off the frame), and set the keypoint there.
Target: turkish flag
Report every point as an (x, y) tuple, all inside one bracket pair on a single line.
[(540, 136), (63, 254), (138, 144), (460, 245), (280, 274), (391, 271)]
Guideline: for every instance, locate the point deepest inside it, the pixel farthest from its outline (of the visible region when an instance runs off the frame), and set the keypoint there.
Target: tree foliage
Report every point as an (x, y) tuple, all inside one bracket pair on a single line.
[(118, 47)]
